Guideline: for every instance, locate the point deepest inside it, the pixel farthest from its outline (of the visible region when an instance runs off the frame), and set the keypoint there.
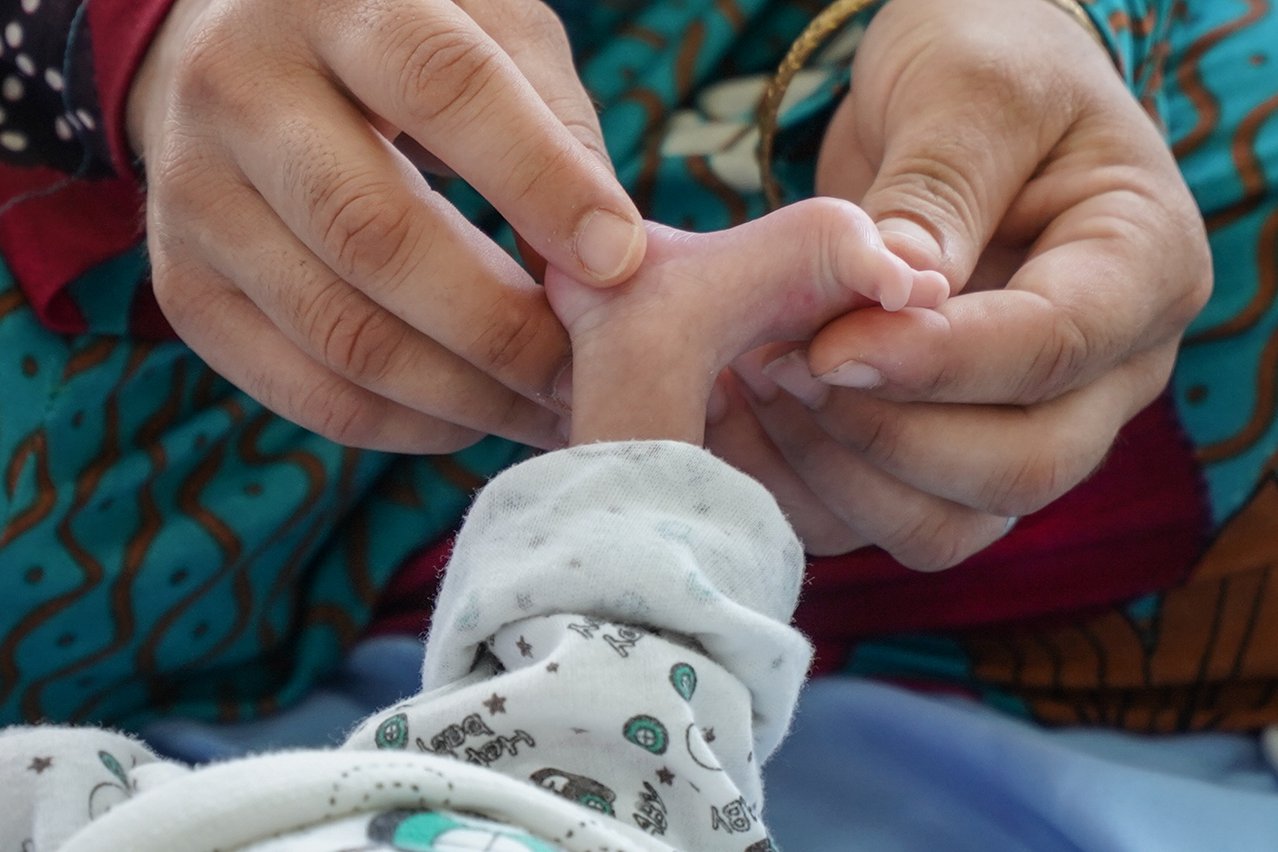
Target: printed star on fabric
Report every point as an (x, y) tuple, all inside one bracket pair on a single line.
[(552, 667), (525, 649), (665, 776), (39, 764), (495, 705), (707, 734)]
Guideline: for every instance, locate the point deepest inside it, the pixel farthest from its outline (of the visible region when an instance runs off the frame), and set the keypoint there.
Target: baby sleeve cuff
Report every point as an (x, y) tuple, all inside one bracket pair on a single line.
[(657, 534)]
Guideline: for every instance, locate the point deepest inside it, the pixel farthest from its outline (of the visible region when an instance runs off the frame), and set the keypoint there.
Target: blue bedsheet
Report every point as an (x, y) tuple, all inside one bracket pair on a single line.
[(873, 767)]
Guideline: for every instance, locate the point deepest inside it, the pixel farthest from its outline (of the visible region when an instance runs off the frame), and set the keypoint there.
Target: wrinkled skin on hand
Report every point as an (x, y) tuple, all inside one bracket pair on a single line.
[(993, 141), (299, 251)]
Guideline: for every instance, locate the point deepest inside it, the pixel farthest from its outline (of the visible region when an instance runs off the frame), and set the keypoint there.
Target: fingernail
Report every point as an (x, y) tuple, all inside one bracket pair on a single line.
[(927, 251), (853, 374), (606, 242), (790, 371), (1011, 523)]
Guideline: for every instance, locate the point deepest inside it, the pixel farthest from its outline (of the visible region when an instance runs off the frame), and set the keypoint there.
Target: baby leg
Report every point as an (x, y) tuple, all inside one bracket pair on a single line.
[(646, 353)]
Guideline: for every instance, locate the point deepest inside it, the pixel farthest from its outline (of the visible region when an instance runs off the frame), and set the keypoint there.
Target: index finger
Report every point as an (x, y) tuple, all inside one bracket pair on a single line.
[(534, 38), (436, 75)]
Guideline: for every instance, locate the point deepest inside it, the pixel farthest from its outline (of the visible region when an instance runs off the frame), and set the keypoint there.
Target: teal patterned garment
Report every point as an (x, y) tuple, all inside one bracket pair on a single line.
[(169, 546), (166, 545)]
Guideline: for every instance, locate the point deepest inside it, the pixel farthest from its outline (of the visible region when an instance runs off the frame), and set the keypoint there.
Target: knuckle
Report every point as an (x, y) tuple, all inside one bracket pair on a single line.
[(511, 339), (1027, 485), (507, 412), (211, 73), (1028, 481), (1001, 79), (351, 336), (925, 543), (1198, 274), (1001, 84), (1063, 355), (937, 383), (446, 74), (577, 114), (874, 434), (338, 412), (367, 236), (533, 168), (934, 193)]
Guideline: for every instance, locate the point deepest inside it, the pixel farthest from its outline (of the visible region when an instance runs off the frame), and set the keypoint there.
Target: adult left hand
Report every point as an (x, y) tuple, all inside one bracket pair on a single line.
[(993, 141)]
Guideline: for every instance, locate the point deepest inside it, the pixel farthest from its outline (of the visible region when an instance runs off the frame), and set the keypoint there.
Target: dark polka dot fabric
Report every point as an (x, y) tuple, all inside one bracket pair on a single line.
[(49, 113)]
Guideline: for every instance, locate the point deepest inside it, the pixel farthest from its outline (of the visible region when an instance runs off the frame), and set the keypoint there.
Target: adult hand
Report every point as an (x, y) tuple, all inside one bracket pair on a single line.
[(990, 140), (300, 253)]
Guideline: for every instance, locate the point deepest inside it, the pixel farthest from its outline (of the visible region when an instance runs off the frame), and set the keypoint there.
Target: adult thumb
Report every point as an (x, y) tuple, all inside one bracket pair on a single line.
[(945, 181)]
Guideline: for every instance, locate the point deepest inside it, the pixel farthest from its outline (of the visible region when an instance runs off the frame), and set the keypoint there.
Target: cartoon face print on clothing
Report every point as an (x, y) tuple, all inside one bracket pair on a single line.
[(576, 788)]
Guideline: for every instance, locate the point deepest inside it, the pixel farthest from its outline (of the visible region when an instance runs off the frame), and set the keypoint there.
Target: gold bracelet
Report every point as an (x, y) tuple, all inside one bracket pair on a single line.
[(827, 23), (824, 25)]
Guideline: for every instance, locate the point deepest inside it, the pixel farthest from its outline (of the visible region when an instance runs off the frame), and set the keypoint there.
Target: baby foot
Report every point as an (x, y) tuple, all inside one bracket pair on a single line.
[(646, 352)]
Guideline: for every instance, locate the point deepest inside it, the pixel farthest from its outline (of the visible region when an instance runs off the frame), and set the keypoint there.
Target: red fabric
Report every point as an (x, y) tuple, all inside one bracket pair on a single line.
[(1136, 526), (145, 318), (406, 602), (122, 31), (50, 238), (62, 228)]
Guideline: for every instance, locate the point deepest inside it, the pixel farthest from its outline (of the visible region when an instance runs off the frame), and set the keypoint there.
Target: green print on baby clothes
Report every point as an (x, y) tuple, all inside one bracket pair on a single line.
[(647, 733), (113, 766), (683, 678), (435, 831), (108, 794), (392, 733)]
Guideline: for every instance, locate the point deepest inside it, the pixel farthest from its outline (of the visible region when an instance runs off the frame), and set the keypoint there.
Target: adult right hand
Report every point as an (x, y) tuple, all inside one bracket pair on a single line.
[(991, 141), (305, 258)]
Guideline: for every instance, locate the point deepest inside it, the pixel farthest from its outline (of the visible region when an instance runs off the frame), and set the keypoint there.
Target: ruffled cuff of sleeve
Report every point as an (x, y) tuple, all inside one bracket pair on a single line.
[(656, 534)]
